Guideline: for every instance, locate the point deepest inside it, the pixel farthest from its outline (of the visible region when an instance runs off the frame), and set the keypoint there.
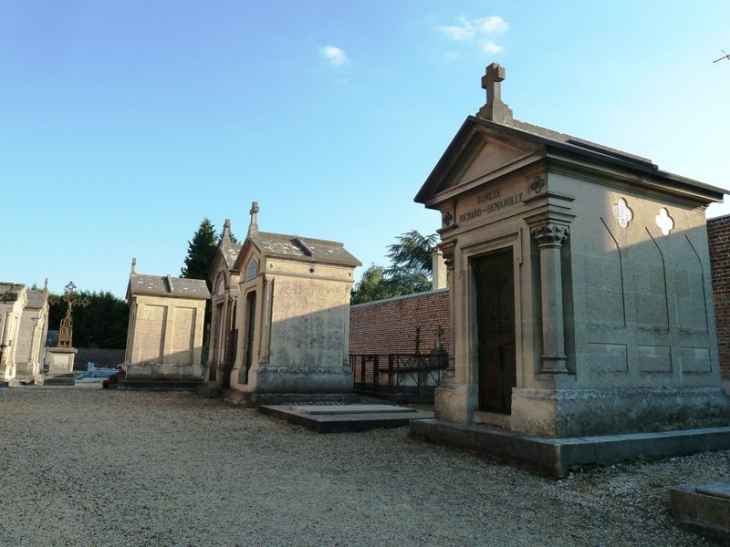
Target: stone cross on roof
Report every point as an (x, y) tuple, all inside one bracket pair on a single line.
[(495, 110), (253, 228)]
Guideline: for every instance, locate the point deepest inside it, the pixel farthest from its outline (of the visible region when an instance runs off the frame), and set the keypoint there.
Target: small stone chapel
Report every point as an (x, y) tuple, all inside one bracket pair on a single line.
[(292, 317), (165, 333), (581, 298)]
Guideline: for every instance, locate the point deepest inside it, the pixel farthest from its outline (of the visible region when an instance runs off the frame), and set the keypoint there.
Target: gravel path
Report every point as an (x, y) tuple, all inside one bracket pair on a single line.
[(85, 466)]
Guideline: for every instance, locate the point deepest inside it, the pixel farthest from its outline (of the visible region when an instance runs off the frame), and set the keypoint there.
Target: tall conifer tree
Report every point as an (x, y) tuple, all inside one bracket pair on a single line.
[(201, 252)]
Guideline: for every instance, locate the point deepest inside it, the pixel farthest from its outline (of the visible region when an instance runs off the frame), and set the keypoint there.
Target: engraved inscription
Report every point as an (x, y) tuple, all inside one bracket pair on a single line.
[(490, 202)]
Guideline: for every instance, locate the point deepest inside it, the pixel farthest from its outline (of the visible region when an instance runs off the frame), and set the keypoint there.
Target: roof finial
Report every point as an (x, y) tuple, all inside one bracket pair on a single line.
[(134, 265), (495, 110), (226, 230), (253, 228), (45, 286)]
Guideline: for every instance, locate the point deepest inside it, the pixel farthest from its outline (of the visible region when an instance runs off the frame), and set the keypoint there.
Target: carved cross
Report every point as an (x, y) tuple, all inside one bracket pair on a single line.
[(491, 82)]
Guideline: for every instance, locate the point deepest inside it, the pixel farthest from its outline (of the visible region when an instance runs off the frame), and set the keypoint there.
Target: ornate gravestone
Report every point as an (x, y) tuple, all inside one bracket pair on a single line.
[(61, 357)]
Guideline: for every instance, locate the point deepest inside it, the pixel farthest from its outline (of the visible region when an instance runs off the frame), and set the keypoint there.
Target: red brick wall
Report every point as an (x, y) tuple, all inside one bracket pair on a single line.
[(389, 326), (718, 237)]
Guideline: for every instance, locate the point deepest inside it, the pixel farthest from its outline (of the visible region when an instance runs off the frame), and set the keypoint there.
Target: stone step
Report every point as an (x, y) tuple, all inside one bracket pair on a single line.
[(161, 385), (705, 508)]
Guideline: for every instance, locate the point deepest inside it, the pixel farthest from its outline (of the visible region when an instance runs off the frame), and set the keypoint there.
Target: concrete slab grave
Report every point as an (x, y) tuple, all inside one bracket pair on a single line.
[(340, 418), (581, 298), (705, 508)]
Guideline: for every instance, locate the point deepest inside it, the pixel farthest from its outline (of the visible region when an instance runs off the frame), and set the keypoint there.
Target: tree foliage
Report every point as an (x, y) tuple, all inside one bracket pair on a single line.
[(410, 270), (101, 324), (201, 252)]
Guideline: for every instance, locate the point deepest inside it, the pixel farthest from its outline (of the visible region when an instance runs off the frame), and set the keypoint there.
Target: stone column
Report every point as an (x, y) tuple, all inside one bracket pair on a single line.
[(448, 375), (549, 238)]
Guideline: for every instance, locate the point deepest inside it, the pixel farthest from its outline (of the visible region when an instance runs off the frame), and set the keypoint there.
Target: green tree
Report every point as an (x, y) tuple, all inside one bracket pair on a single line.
[(201, 252), (410, 270), (412, 254), (101, 324)]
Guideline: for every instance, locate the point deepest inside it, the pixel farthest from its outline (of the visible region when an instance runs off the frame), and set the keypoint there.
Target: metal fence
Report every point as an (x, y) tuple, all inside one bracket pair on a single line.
[(404, 376)]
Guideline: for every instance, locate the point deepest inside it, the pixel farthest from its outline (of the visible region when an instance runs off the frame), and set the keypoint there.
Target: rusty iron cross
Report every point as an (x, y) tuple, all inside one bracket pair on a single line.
[(65, 331)]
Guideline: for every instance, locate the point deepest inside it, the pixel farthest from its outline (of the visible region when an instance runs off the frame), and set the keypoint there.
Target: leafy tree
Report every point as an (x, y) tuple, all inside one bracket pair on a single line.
[(371, 286), (409, 273), (201, 252), (412, 254)]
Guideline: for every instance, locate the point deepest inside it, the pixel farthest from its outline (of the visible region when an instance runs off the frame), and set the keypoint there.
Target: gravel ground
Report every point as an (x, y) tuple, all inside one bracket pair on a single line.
[(85, 466)]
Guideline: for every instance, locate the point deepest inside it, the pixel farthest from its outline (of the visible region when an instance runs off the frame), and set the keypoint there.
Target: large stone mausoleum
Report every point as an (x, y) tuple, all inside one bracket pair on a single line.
[(581, 298), (293, 314)]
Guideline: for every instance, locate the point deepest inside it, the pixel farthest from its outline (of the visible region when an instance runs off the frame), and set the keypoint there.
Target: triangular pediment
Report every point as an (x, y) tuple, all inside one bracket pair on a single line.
[(477, 153)]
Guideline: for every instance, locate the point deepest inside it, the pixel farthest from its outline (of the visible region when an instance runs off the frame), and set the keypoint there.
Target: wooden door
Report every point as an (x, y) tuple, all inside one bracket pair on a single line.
[(250, 329), (495, 301)]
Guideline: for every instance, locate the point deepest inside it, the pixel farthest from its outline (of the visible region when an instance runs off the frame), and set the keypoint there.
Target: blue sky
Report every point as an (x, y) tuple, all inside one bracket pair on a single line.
[(124, 123)]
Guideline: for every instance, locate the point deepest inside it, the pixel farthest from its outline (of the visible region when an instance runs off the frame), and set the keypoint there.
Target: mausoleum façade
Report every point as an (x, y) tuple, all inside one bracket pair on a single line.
[(280, 325), (581, 299)]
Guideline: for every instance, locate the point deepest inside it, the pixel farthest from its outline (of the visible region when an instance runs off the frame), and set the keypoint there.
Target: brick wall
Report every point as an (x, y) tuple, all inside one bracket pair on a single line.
[(389, 326), (718, 236)]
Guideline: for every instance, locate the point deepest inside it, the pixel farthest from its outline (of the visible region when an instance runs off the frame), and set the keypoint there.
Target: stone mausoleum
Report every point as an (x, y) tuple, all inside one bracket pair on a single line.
[(224, 279), (293, 314), (581, 298), (165, 334), (23, 328)]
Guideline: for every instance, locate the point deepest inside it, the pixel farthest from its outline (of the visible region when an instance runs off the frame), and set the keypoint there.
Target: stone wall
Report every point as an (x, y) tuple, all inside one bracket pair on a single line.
[(100, 357), (718, 235), (389, 326)]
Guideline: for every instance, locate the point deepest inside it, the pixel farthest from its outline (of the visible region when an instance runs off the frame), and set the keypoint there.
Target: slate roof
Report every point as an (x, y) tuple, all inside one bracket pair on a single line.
[(303, 249), (36, 299), (230, 252), (10, 292), (165, 285)]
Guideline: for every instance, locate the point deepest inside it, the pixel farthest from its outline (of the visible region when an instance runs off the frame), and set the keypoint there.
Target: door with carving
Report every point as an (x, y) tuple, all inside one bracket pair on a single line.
[(495, 302)]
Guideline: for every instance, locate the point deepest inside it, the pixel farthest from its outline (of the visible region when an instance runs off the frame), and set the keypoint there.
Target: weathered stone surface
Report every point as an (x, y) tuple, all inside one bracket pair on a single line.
[(581, 298)]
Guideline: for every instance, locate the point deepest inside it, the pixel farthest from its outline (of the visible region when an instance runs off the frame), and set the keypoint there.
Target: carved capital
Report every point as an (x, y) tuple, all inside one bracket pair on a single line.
[(550, 235), (447, 250)]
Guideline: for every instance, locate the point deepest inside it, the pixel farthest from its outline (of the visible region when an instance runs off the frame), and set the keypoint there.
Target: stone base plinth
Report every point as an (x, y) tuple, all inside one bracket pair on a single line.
[(556, 457), (61, 360), (293, 379), (163, 372), (580, 412), (55, 380), (249, 399)]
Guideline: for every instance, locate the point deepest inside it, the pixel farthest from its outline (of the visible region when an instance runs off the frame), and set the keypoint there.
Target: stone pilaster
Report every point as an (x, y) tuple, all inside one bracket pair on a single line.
[(550, 238), (447, 249)]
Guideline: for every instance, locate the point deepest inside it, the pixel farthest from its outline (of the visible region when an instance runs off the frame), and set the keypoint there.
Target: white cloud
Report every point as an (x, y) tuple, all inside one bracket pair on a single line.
[(462, 33), (490, 47), (334, 56), (477, 30), (491, 25)]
